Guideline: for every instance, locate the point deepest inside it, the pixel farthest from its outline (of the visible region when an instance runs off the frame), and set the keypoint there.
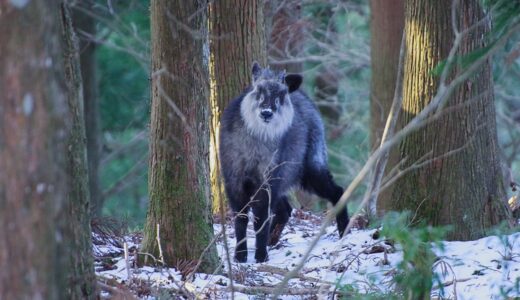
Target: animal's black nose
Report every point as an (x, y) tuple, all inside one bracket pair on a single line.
[(266, 114)]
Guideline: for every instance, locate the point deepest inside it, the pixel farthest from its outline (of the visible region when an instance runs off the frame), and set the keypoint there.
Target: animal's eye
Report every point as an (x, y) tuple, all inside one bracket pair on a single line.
[(277, 101), (261, 98)]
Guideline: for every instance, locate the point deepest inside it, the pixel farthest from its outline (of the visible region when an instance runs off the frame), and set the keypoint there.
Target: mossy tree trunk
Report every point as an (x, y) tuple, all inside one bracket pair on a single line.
[(35, 121), (85, 27), (179, 168), (81, 274), (460, 184), (238, 38)]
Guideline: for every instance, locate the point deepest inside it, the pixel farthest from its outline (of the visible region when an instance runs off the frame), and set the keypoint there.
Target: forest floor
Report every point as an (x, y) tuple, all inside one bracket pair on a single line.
[(362, 263)]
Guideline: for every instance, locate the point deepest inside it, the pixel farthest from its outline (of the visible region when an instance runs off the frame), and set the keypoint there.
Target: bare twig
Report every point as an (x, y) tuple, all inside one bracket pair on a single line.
[(158, 237), (127, 263)]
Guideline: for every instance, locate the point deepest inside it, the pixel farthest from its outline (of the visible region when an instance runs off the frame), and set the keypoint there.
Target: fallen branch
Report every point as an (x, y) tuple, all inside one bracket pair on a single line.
[(283, 272), (271, 290), (117, 292), (448, 283)]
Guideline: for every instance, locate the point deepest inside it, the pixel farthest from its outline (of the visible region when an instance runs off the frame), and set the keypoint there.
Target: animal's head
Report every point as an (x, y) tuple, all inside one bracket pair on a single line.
[(267, 109)]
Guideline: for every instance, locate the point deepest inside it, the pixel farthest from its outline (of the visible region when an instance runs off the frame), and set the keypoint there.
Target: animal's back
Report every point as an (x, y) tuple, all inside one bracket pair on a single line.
[(316, 152)]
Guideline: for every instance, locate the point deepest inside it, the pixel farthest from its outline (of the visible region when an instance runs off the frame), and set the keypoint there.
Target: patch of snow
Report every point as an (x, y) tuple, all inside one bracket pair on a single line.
[(19, 3), (40, 188), (28, 104), (47, 62), (488, 268)]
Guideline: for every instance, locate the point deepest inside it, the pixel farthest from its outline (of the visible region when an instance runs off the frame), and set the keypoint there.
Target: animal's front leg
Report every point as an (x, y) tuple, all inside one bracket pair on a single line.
[(240, 232), (261, 225)]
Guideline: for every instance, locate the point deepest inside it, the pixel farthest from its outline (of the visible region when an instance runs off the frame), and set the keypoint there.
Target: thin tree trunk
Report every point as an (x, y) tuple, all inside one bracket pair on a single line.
[(85, 26), (34, 126), (461, 184), (81, 274), (179, 169), (237, 39)]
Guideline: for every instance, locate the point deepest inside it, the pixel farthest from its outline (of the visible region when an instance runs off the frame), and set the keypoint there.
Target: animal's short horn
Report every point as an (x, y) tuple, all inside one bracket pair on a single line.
[(281, 76)]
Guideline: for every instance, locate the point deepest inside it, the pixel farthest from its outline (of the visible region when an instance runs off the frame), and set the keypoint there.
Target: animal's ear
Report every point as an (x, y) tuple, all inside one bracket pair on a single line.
[(256, 71), (293, 81)]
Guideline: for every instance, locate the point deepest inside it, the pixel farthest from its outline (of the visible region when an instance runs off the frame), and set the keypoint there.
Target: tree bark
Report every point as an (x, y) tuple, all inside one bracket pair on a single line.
[(34, 127), (179, 169), (287, 36), (85, 26), (461, 183), (386, 28), (237, 40), (81, 273)]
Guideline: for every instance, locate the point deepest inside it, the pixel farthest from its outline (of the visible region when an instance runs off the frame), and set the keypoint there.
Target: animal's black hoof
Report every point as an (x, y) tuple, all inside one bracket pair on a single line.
[(261, 256), (241, 256), (342, 222)]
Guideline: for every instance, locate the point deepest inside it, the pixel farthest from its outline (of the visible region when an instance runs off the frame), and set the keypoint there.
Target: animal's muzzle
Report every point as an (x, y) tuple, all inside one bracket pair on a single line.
[(266, 115)]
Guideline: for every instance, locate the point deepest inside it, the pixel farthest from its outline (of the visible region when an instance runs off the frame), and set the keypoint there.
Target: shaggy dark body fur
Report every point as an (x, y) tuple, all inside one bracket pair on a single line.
[(271, 140)]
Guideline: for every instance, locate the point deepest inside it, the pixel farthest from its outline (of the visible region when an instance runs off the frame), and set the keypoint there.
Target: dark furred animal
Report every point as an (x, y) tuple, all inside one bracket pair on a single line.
[(271, 140)]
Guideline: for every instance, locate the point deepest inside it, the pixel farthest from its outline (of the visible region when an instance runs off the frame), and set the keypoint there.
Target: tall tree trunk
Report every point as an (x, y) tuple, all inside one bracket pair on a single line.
[(34, 126), (179, 169), (237, 39), (85, 26), (81, 273), (461, 184), (286, 36), (386, 28)]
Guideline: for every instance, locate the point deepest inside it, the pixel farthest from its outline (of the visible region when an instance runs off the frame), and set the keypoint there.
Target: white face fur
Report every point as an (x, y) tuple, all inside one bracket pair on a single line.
[(281, 120)]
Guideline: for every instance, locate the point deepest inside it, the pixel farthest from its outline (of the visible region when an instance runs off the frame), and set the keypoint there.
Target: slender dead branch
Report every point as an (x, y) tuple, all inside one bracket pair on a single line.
[(158, 238), (127, 262)]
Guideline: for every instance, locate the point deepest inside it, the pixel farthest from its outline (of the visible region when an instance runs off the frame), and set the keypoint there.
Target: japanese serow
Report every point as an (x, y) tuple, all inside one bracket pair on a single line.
[(271, 140)]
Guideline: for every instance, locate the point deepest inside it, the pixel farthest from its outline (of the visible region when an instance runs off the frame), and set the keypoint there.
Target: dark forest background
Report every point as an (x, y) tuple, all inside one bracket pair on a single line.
[(121, 38)]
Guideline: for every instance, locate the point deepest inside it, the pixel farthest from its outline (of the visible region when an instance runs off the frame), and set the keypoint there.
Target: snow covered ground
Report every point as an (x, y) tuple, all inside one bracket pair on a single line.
[(488, 268)]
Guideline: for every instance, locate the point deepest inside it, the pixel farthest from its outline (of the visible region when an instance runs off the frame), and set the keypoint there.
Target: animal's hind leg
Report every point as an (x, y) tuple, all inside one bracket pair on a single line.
[(282, 211), (321, 183)]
